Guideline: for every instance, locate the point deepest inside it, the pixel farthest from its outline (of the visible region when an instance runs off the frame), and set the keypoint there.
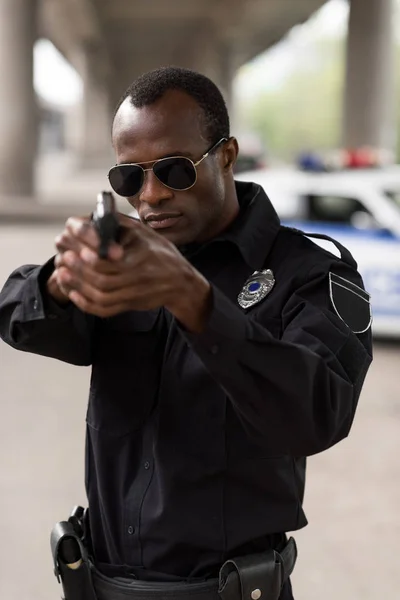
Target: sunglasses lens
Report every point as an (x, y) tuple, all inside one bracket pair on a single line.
[(176, 173), (126, 180)]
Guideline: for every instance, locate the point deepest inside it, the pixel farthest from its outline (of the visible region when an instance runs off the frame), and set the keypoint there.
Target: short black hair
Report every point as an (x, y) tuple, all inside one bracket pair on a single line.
[(151, 86)]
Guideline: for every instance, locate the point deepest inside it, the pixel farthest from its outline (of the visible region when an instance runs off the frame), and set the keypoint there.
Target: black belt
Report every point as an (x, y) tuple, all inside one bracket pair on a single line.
[(112, 589), (253, 577)]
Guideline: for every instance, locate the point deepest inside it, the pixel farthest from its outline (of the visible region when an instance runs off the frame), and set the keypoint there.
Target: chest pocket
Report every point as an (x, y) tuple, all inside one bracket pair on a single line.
[(126, 367)]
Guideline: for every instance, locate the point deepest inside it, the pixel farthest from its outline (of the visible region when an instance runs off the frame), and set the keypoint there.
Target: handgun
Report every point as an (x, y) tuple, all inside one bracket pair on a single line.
[(106, 222)]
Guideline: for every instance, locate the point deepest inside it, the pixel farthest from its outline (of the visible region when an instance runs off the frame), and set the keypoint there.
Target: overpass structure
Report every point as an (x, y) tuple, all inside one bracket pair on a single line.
[(110, 42)]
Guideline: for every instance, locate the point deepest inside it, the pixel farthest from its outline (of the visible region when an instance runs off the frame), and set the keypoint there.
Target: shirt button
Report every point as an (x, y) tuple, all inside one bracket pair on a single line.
[(131, 530), (147, 465), (214, 349), (35, 305)]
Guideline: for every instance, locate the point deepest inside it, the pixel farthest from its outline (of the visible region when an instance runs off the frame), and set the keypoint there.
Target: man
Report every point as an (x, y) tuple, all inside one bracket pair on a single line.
[(224, 347)]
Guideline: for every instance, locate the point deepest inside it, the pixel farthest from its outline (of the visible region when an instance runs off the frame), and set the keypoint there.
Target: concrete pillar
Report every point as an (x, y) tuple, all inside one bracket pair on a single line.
[(18, 112), (226, 74), (95, 147), (369, 118), (214, 60)]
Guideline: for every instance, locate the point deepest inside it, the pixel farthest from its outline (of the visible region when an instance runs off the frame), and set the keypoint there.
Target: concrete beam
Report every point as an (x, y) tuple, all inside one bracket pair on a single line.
[(270, 24), (173, 10), (69, 24)]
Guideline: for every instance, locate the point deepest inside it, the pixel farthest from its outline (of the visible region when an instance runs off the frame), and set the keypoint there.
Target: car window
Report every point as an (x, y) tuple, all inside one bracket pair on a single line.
[(334, 209)]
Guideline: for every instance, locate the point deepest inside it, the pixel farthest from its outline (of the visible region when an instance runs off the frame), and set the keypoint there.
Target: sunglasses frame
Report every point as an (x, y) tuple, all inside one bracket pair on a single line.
[(195, 165)]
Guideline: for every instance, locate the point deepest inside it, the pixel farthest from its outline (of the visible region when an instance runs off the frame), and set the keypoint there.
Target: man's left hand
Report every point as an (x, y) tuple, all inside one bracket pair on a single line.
[(151, 273)]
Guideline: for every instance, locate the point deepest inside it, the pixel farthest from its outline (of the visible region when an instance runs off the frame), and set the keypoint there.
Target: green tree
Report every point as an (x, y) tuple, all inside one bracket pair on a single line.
[(306, 112)]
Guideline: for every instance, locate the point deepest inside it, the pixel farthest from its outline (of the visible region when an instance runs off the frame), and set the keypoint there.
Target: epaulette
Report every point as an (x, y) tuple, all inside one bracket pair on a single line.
[(344, 253)]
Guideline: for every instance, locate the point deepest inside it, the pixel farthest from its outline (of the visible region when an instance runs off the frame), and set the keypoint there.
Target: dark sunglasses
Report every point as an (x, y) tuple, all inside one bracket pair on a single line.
[(175, 172)]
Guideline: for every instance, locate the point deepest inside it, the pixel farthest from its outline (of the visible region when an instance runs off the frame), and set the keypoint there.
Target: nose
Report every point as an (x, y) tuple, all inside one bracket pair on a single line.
[(153, 191)]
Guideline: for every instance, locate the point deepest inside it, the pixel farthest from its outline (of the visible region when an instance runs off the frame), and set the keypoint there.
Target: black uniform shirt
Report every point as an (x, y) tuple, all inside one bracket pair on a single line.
[(196, 442)]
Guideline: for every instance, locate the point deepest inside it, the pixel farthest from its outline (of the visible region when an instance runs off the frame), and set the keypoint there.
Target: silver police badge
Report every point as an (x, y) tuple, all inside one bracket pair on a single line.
[(256, 288)]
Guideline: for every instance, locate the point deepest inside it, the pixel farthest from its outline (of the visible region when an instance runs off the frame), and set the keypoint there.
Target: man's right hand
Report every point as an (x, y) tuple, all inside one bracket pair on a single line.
[(78, 233)]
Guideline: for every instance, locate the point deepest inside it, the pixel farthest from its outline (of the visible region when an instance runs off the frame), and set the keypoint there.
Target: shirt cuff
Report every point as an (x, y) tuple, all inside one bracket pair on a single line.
[(45, 307), (224, 334)]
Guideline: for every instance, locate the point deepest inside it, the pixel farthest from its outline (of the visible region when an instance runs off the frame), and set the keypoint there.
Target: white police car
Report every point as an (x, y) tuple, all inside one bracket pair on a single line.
[(361, 209)]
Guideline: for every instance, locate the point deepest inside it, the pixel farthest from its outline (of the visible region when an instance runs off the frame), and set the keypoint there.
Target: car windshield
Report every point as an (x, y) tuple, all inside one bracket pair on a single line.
[(394, 195)]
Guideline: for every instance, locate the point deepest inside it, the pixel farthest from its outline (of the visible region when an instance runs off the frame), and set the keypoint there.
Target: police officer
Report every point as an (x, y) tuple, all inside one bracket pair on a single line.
[(225, 348)]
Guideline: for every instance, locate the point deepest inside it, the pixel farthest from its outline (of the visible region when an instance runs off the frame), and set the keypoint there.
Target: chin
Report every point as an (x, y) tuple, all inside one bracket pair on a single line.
[(178, 235)]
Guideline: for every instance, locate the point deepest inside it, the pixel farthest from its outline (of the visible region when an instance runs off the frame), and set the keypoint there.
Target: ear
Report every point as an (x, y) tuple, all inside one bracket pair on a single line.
[(230, 153)]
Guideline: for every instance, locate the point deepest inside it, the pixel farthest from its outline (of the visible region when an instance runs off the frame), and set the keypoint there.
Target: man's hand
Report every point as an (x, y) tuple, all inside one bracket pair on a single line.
[(77, 234), (142, 272)]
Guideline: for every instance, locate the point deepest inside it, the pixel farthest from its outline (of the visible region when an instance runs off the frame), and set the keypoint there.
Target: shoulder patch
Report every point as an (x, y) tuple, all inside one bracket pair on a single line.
[(351, 303)]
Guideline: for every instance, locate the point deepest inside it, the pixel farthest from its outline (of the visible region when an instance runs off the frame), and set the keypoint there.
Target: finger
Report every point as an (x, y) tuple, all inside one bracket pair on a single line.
[(65, 241), (71, 274), (115, 252), (90, 307), (84, 268), (134, 233), (83, 230), (91, 257), (108, 310), (106, 290), (58, 260), (68, 284), (106, 277), (64, 289), (127, 221), (68, 241), (63, 280), (60, 244), (66, 258)]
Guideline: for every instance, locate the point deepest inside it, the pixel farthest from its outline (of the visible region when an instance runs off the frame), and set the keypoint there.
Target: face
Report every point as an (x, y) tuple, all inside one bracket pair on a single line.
[(173, 126)]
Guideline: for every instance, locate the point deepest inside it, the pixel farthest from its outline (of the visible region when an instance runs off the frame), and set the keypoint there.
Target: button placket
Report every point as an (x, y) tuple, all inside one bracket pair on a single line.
[(135, 502)]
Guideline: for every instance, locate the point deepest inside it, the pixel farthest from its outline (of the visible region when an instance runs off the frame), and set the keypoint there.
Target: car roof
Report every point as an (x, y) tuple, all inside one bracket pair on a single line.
[(286, 178), (285, 187)]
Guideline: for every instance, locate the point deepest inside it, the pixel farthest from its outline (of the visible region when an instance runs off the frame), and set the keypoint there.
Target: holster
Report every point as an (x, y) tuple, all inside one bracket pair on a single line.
[(257, 576), (76, 579)]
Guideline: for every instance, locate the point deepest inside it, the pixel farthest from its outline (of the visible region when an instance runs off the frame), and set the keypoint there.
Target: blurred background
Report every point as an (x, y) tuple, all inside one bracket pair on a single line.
[(313, 88)]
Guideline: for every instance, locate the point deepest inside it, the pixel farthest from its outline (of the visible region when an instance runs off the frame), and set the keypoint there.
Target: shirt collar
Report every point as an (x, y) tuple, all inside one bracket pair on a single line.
[(253, 231), (256, 227)]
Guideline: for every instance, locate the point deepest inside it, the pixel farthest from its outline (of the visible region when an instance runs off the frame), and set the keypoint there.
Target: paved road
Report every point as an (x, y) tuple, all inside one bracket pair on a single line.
[(349, 551)]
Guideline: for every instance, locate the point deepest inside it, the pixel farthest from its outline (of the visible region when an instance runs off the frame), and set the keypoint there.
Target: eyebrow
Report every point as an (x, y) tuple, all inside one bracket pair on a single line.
[(169, 155)]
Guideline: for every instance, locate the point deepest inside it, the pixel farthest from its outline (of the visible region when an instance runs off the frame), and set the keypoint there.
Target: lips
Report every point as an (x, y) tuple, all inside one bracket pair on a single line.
[(162, 220)]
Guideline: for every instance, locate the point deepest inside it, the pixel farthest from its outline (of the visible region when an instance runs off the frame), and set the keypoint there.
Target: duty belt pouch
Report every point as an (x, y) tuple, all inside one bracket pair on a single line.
[(71, 563), (257, 576)]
